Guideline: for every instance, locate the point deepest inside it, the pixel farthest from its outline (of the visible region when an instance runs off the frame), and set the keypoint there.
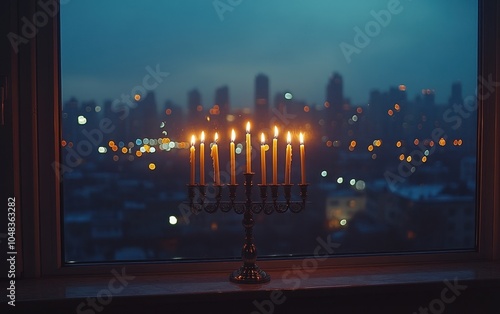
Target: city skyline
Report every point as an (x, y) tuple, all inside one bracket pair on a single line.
[(334, 94)]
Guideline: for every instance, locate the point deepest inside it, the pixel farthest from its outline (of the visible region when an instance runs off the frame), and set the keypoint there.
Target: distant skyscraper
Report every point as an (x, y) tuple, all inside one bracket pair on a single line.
[(334, 92), (261, 96), (222, 100), (456, 94), (428, 97), (144, 119), (90, 111), (194, 100), (334, 110)]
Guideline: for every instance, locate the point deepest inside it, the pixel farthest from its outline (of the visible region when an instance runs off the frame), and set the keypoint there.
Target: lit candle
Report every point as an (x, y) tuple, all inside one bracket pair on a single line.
[(232, 155), (202, 158), (302, 160), (249, 149), (263, 158), (192, 160), (275, 156), (215, 157), (288, 159)]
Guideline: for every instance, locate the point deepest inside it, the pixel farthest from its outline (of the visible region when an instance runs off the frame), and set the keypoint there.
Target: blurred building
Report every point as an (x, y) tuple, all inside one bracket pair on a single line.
[(261, 100)]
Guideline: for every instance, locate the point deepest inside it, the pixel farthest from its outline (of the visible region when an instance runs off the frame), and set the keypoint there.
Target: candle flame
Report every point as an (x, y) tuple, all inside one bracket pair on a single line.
[(233, 135), (275, 132), (248, 127), (301, 138), (202, 136), (192, 140), (288, 138), (262, 139), (216, 138)]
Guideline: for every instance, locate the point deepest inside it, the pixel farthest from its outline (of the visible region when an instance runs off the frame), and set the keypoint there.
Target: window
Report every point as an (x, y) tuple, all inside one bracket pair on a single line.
[(44, 198), (387, 104)]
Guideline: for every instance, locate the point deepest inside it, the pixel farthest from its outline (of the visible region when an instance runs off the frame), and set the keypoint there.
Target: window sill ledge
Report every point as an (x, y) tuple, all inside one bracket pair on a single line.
[(383, 288)]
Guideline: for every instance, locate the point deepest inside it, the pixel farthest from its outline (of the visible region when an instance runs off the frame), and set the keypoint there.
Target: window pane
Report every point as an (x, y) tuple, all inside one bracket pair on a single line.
[(384, 92)]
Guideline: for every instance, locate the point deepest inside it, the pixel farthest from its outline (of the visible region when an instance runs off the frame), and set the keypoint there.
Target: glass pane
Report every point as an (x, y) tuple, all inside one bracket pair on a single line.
[(384, 92)]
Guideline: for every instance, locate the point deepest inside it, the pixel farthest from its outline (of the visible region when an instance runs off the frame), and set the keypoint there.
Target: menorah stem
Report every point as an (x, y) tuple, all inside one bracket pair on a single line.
[(274, 195), (232, 193), (288, 193), (249, 251), (303, 193), (202, 191), (218, 195), (249, 272)]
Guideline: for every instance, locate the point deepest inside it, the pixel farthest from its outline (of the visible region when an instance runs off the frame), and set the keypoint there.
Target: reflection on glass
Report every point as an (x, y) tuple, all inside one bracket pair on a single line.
[(387, 104)]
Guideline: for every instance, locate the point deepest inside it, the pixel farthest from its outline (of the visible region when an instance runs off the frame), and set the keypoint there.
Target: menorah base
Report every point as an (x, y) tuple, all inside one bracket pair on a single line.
[(249, 274)]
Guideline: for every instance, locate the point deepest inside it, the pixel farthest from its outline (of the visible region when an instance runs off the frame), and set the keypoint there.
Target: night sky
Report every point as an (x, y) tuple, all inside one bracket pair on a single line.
[(106, 45)]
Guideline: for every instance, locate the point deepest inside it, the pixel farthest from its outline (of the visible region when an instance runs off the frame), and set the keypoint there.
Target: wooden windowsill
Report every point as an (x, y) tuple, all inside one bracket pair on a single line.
[(212, 289)]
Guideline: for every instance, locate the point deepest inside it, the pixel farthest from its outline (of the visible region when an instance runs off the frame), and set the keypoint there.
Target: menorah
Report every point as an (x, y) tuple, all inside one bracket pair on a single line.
[(249, 272)]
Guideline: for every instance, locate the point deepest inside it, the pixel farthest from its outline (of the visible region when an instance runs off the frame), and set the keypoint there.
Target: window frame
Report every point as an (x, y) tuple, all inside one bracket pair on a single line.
[(40, 187)]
